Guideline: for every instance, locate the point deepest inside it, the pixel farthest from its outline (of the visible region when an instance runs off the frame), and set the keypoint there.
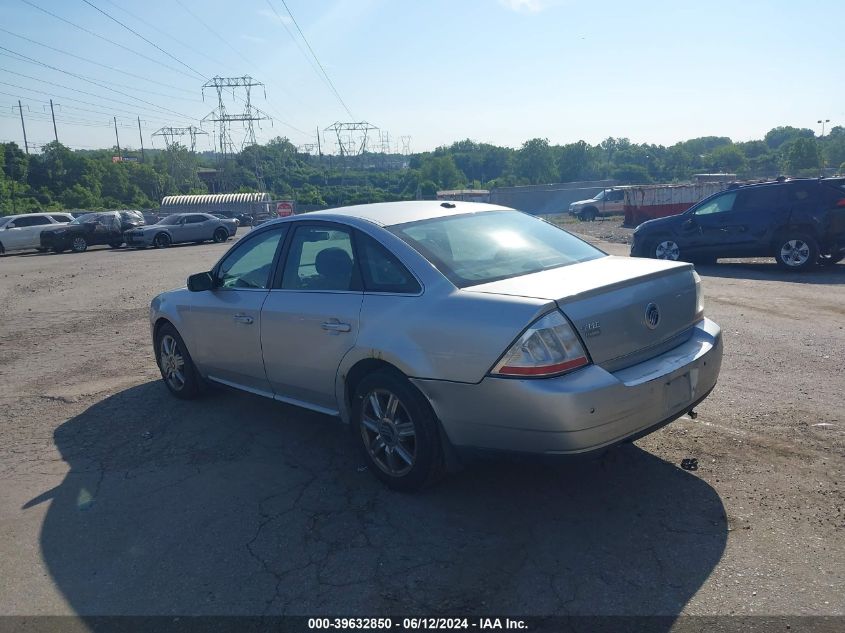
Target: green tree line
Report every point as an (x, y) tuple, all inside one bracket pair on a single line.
[(61, 178)]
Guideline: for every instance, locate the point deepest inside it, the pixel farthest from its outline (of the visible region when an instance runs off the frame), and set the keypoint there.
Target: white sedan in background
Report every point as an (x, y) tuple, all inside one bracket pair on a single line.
[(23, 232), (181, 227)]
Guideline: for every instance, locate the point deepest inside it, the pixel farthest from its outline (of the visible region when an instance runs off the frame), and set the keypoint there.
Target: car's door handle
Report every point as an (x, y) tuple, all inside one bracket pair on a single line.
[(243, 318), (336, 326)]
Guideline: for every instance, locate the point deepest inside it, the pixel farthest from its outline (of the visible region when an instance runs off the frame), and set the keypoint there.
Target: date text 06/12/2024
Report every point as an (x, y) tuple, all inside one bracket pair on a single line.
[(415, 624)]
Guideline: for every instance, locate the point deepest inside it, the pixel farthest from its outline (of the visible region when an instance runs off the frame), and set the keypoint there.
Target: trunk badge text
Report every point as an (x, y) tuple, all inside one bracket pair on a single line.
[(591, 329), (652, 316)]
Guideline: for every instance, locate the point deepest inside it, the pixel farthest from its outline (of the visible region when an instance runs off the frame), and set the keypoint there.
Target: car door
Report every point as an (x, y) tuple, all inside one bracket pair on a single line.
[(311, 316), (105, 229), (704, 229), (27, 231), (16, 233), (614, 202), (194, 228), (756, 215), (224, 324)]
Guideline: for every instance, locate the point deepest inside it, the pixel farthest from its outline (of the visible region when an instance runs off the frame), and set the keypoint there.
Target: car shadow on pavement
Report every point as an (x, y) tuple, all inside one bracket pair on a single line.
[(237, 505), (769, 271)]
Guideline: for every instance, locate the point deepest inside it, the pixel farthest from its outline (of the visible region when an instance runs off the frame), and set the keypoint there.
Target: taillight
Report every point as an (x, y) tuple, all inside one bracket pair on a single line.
[(840, 202), (699, 299), (549, 347)]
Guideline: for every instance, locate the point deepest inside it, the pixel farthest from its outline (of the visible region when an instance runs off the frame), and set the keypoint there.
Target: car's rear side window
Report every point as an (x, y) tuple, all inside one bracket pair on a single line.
[(381, 270), (482, 247)]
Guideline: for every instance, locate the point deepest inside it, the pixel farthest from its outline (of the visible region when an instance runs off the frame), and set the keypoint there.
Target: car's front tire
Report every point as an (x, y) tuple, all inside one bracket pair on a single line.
[(663, 248), (220, 236), (175, 364), (78, 244), (162, 240), (397, 431), (796, 251)]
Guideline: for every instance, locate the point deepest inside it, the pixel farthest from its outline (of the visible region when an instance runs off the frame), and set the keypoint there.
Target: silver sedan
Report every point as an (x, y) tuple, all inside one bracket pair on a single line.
[(433, 328), (181, 227)]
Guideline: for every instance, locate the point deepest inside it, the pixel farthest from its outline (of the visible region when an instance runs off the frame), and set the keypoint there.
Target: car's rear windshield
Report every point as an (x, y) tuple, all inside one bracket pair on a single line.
[(482, 247)]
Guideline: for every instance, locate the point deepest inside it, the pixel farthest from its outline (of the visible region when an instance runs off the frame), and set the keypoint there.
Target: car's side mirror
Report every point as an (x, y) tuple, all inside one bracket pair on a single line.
[(200, 282)]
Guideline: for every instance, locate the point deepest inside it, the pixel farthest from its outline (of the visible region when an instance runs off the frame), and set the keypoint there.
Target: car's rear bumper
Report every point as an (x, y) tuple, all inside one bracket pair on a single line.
[(586, 410)]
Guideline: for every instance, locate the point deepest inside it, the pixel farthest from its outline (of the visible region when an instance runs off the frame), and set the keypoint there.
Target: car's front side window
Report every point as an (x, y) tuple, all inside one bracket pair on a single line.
[(249, 265), (719, 204), (320, 259)]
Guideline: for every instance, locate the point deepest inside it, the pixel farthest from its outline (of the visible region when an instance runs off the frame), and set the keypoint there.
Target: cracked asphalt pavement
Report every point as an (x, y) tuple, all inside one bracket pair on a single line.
[(119, 499)]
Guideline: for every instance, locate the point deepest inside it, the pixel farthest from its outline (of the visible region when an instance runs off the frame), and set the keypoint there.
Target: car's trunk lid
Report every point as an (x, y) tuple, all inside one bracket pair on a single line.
[(609, 301)]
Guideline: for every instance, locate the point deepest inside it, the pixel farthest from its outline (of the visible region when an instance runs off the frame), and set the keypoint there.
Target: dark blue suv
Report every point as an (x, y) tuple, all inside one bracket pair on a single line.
[(799, 222)]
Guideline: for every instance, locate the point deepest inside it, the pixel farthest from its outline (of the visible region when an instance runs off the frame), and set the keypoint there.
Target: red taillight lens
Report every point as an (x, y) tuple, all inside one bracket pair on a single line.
[(549, 347), (840, 203)]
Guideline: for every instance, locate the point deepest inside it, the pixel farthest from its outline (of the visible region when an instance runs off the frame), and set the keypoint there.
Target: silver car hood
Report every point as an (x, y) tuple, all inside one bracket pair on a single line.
[(607, 300)]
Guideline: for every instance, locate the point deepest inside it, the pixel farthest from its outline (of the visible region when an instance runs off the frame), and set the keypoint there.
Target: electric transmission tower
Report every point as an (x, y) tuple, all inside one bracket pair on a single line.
[(171, 134), (406, 145), (351, 136), (223, 119)]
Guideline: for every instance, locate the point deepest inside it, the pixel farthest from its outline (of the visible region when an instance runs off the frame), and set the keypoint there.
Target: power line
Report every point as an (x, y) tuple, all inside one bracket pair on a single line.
[(105, 39), (96, 63), (167, 35), (134, 105), (146, 119), (325, 74), (153, 44), (96, 82), (224, 40)]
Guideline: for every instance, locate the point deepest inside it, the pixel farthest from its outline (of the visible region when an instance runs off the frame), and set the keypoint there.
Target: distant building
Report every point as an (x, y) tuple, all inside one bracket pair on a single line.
[(257, 205)]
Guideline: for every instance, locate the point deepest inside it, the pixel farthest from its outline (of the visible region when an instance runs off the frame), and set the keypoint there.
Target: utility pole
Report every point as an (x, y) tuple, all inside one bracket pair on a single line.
[(141, 136), (53, 114), (117, 140), (25, 144), (319, 149)]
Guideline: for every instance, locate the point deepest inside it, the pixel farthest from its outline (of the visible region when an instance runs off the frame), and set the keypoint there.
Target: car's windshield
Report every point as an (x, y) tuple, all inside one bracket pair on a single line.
[(600, 195), (482, 247), (88, 217), (170, 220)]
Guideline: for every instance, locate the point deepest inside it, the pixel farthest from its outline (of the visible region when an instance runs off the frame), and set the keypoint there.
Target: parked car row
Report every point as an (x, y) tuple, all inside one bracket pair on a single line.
[(800, 222), (60, 232)]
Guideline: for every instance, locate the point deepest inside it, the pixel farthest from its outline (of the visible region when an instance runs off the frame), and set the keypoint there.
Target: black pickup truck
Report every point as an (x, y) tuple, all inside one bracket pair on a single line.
[(799, 222), (89, 230)]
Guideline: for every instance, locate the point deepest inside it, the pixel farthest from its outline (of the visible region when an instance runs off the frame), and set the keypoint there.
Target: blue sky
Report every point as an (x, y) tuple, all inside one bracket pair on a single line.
[(499, 71)]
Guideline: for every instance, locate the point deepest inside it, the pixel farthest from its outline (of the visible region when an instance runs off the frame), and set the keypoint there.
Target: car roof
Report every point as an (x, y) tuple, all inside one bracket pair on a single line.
[(390, 213)]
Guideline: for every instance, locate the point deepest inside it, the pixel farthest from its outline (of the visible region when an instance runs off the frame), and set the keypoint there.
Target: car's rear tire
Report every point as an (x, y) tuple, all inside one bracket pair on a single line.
[(79, 244), (175, 364), (220, 235), (397, 431), (162, 240), (796, 251)]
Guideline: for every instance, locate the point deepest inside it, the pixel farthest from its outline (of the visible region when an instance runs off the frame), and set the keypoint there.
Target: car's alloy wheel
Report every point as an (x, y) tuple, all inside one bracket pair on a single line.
[(388, 433), (78, 245), (175, 363), (667, 249), (221, 235), (162, 240), (397, 431), (797, 252)]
